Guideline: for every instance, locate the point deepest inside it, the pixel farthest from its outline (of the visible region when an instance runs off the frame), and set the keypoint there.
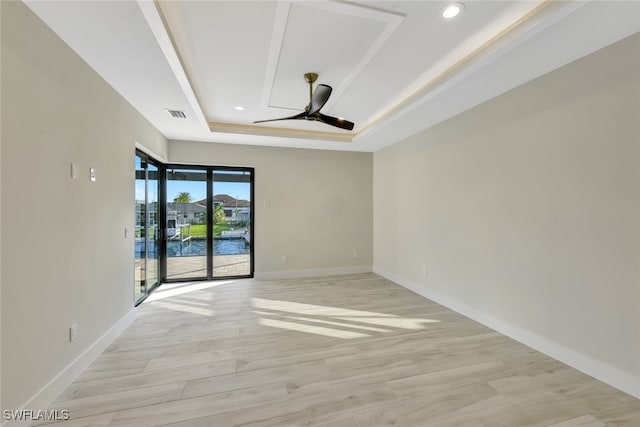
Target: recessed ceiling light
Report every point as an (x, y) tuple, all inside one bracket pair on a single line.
[(451, 11), (239, 108)]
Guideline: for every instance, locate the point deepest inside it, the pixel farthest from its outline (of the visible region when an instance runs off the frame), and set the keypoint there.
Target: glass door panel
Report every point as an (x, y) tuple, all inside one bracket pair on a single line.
[(140, 231), (153, 252), (231, 207), (186, 227)]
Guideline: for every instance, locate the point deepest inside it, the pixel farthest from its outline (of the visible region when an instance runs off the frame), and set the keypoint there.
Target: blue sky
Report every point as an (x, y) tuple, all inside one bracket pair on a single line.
[(198, 190)]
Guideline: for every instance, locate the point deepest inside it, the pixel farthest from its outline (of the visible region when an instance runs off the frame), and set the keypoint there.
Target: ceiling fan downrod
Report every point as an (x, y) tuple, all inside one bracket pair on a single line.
[(311, 79)]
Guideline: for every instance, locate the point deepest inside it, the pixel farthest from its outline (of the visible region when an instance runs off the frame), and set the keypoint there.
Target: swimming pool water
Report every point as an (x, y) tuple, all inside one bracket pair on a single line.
[(237, 246)]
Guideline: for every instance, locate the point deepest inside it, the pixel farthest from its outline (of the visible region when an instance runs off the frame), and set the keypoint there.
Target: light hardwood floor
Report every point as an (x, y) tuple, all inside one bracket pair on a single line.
[(353, 350)]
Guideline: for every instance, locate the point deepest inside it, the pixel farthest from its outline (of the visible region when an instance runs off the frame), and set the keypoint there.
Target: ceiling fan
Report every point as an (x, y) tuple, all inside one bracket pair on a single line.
[(317, 99)]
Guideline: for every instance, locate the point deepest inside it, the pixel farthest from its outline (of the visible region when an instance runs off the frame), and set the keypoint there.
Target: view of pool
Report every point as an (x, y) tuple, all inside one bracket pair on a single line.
[(198, 247)]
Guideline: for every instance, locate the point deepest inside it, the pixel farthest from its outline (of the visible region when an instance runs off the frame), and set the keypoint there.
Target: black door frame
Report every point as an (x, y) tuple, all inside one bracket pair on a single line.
[(147, 159), (209, 215)]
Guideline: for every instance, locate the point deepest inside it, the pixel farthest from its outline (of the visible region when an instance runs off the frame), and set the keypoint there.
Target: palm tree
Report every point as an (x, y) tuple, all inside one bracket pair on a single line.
[(183, 197), (218, 214)]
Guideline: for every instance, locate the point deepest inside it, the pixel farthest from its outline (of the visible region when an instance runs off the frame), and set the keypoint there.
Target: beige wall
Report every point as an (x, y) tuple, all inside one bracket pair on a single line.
[(526, 211), (65, 258), (0, 218), (320, 203)]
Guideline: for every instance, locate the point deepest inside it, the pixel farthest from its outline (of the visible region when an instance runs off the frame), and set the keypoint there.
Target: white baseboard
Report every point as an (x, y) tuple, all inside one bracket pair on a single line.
[(47, 394), (292, 274), (604, 372)]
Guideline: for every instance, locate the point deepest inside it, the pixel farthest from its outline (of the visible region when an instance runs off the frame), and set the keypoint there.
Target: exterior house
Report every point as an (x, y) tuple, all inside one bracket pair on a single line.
[(151, 210), (234, 209), (186, 213)]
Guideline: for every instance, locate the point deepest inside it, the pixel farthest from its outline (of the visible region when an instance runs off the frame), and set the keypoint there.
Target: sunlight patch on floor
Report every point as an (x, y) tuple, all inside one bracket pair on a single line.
[(303, 308), (399, 322), (169, 290), (317, 330), (338, 322)]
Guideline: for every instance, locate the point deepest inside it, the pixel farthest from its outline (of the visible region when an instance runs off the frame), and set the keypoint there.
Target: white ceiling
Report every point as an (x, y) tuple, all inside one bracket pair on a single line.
[(396, 67)]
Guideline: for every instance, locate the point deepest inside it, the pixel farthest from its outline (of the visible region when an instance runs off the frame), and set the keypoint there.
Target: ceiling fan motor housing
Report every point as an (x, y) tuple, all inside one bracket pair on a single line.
[(311, 77)]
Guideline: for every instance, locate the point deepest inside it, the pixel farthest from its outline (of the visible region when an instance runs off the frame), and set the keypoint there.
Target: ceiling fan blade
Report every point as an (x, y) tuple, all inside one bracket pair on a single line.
[(319, 98), (302, 115), (335, 121)]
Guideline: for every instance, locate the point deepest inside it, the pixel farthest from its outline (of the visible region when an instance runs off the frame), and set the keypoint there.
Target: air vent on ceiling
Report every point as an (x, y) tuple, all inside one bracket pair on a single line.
[(177, 114)]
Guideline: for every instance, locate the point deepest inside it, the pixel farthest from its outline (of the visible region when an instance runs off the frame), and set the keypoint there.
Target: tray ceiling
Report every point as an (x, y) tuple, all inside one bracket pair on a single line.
[(396, 67)]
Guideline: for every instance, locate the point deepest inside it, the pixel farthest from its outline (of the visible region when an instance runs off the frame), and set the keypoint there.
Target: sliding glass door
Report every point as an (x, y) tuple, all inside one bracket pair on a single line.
[(140, 288), (232, 214), (153, 230), (187, 225), (147, 259), (192, 223), (209, 217)]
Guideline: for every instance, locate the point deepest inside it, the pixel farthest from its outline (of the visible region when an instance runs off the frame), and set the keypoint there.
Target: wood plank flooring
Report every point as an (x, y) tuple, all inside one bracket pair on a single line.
[(340, 351)]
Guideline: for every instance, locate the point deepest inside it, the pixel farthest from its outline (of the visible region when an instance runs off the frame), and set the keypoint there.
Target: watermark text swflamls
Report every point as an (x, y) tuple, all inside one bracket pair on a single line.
[(35, 415)]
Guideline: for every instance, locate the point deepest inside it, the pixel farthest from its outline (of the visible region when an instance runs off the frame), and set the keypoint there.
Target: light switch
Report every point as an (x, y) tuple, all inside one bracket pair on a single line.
[(92, 174), (74, 171)]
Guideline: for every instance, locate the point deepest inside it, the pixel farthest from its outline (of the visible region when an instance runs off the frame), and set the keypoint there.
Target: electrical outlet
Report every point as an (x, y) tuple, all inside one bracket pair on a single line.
[(73, 332), (355, 254), (425, 272), (283, 258)]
